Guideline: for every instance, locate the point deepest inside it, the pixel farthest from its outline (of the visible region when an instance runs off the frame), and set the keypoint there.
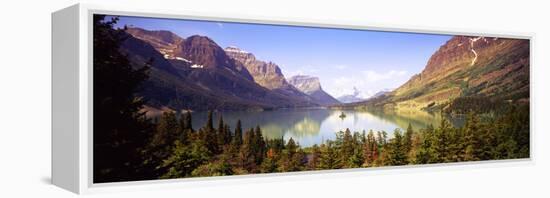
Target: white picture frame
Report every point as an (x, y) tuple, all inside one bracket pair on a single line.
[(72, 101)]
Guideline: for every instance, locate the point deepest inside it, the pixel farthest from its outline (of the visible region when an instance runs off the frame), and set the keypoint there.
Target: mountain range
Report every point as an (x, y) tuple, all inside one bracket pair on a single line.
[(495, 69), (196, 73)]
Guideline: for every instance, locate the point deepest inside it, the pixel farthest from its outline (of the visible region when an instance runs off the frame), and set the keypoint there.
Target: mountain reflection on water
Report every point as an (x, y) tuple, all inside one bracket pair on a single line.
[(312, 126)]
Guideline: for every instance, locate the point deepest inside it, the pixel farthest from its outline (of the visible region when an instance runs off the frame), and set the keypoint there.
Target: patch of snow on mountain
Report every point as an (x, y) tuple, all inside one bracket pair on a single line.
[(235, 50), (197, 66), (182, 59)]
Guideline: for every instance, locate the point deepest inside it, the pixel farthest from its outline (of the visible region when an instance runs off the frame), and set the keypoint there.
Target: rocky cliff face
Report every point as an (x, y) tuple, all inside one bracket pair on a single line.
[(267, 74), (468, 66), (312, 86), (198, 74), (165, 42)]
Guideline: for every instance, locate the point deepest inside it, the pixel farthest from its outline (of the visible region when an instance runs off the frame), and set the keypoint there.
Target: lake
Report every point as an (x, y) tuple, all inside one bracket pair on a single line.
[(313, 126)]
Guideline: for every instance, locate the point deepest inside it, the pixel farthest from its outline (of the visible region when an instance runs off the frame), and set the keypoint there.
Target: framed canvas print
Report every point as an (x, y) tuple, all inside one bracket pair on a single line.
[(156, 97)]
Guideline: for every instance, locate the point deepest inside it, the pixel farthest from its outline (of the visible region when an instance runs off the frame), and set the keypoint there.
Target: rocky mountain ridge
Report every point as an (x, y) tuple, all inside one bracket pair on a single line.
[(496, 69), (196, 73), (312, 86)]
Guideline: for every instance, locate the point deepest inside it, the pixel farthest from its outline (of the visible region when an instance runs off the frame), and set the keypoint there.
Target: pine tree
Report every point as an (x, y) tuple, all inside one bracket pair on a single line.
[(313, 162), (269, 164), (165, 135), (346, 149), (370, 149), (260, 144), (209, 134), (238, 137), (227, 134), (220, 135), (182, 129), (121, 130), (408, 138), (329, 158), (188, 121), (356, 159), (247, 154), (423, 154), (440, 142), (396, 150), (292, 157), (209, 121), (184, 159), (291, 146), (471, 145)]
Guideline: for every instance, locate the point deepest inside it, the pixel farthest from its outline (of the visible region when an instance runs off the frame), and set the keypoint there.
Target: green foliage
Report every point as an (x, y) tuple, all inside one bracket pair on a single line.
[(217, 168), (177, 151), (329, 156), (121, 130), (408, 139), (370, 150), (185, 158), (396, 150), (238, 137)]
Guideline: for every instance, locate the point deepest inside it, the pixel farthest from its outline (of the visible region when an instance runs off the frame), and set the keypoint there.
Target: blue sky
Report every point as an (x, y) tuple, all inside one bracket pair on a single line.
[(343, 59)]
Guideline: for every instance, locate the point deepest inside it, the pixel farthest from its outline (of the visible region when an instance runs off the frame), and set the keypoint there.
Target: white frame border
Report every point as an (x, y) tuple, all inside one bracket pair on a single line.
[(85, 91)]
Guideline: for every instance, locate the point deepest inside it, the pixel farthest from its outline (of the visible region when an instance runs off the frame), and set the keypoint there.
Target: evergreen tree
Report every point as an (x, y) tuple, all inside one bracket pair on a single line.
[(346, 148), (471, 145), (424, 154), (209, 121), (209, 134), (329, 158), (188, 121), (228, 134), (269, 164), (120, 128), (313, 162), (247, 154), (238, 137), (396, 150), (382, 138), (182, 130), (292, 157), (220, 135), (356, 159), (291, 146), (370, 149), (166, 131), (408, 138), (441, 142), (184, 159), (260, 145)]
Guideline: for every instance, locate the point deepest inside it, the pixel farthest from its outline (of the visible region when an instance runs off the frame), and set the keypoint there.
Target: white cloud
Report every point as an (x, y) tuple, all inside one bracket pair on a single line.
[(341, 67), (304, 70), (373, 76), (368, 82)]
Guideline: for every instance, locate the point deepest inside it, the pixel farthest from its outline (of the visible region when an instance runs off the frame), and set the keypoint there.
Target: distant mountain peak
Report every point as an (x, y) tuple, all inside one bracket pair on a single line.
[(353, 97), (305, 83), (311, 85), (199, 38)]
